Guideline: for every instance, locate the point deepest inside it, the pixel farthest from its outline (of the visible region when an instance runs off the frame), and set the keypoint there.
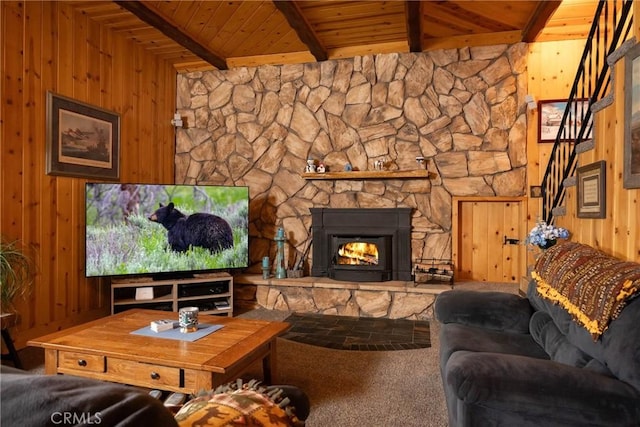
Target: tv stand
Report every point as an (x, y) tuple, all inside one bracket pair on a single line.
[(211, 293)]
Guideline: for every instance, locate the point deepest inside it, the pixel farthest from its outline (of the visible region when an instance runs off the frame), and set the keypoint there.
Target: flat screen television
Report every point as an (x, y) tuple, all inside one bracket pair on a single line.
[(165, 230)]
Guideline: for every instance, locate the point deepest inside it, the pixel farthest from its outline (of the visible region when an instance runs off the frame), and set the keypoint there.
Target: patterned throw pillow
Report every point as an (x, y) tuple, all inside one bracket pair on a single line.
[(239, 404), (592, 286)]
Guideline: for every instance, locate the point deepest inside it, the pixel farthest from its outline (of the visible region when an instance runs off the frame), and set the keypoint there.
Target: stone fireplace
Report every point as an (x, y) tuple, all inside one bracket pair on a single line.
[(361, 245)]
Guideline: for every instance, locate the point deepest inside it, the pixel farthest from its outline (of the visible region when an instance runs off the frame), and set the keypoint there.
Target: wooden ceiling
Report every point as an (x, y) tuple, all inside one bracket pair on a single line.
[(224, 34)]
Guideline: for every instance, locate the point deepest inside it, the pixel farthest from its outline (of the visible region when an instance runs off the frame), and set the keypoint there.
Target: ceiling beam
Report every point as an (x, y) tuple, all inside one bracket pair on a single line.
[(305, 32), (539, 19), (147, 15), (412, 12)]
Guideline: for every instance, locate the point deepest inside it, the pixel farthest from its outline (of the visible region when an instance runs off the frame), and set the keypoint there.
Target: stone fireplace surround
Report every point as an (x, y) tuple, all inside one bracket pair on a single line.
[(461, 109)]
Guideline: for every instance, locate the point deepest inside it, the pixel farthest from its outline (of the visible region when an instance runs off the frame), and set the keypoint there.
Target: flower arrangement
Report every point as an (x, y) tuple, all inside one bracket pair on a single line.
[(544, 235)]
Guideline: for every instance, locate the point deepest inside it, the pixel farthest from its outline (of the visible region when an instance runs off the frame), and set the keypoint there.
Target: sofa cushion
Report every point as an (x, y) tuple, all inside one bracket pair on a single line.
[(455, 337), (500, 311), (591, 285), (545, 332), (511, 390)]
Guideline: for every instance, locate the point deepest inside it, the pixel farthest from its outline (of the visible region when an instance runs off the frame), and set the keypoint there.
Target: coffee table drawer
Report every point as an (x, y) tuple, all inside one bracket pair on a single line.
[(142, 374), (81, 362)]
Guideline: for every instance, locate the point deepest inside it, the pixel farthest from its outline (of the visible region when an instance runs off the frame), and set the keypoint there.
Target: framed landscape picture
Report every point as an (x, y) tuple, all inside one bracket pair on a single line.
[(82, 140), (550, 114), (631, 175), (591, 190)]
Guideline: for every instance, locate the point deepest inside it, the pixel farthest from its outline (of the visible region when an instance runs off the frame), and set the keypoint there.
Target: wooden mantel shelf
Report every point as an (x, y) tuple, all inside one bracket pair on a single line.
[(418, 173)]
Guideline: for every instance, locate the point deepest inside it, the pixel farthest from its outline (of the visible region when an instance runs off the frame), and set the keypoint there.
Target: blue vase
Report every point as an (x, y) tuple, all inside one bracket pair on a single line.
[(548, 244)]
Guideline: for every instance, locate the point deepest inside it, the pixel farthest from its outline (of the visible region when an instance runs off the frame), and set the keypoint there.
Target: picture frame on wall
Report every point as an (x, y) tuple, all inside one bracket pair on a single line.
[(82, 140), (631, 168), (591, 185), (550, 114)]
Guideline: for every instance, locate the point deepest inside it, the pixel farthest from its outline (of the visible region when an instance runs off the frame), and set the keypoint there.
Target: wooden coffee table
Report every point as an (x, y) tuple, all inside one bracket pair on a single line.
[(105, 349)]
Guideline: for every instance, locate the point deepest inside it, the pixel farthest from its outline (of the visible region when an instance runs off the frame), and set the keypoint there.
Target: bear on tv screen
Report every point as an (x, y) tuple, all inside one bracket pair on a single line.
[(151, 229)]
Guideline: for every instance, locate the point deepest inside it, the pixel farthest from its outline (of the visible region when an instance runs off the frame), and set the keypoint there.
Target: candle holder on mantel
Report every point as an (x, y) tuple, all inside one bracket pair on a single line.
[(281, 272)]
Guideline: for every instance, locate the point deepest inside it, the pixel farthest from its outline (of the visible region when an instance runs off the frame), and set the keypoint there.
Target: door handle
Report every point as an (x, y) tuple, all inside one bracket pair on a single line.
[(510, 241)]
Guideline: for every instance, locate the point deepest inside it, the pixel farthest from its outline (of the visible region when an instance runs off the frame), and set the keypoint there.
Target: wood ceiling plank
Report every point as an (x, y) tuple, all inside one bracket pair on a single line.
[(228, 29), (271, 38), (370, 49), (287, 43), (472, 40), (461, 19), (346, 10), (152, 18), (285, 58), (222, 15), (258, 26), (298, 21), (203, 18)]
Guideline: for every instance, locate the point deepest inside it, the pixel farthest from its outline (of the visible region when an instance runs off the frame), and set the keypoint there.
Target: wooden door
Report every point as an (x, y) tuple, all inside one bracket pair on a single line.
[(487, 237)]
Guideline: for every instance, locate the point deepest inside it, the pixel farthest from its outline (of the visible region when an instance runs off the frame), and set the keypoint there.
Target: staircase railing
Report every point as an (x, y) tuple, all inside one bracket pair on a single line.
[(611, 26)]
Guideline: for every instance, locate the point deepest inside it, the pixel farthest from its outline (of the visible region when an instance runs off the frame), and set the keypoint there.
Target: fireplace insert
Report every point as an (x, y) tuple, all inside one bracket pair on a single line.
[(362, 245)]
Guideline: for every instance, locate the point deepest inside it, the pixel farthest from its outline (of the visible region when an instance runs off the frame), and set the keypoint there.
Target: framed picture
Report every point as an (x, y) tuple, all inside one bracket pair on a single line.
[(591, 190), (82, 140), (631, 174), (550, 115)]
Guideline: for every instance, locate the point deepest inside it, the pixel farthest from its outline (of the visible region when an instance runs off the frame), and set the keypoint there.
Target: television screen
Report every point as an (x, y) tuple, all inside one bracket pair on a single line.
[(150, 229)]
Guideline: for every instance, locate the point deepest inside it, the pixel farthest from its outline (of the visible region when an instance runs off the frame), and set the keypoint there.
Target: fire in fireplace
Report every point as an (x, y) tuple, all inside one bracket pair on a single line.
[(357, 253), (361, 245)]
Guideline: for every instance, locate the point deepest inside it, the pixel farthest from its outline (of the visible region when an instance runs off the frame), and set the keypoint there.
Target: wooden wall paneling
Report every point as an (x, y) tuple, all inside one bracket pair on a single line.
[(515, 263), (494, 241), (33, 145), (479, 233), (462, 240), (106, 68), (12, 89), (165, 132)]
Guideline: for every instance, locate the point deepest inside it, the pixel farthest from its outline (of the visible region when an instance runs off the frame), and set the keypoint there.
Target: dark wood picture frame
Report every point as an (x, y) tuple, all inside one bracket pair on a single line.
[(82, 140), (591, 190), (550, 113), (631, 174)]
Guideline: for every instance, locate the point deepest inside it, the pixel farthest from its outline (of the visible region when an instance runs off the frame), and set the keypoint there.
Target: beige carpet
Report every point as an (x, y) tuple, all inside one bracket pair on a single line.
[(361, 388)]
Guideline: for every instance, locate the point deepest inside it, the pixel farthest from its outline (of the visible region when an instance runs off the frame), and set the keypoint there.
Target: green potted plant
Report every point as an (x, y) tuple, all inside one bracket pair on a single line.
[(16, 275)]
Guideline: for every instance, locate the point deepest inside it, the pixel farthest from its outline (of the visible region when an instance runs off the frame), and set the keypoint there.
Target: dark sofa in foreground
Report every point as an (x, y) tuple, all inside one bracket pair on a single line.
[(567, 355)]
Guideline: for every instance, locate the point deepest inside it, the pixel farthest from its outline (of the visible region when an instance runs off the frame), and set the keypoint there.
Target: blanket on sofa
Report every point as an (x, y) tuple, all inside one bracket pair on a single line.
[(591, 285)]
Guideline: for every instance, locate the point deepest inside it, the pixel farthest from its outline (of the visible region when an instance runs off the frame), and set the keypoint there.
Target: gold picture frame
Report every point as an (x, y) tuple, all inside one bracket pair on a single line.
[(82, 140)]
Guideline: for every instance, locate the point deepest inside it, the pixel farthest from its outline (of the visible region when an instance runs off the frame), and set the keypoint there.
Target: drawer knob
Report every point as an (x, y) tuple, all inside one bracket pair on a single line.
[(155, 376), (82, 362)]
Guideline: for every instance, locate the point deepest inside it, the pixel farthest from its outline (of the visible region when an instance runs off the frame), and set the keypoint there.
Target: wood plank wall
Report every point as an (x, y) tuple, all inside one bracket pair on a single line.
[(47, 46), (619, 233)]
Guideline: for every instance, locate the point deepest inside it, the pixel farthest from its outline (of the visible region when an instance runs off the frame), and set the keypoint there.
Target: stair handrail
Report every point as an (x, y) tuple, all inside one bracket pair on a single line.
[(587, 87)]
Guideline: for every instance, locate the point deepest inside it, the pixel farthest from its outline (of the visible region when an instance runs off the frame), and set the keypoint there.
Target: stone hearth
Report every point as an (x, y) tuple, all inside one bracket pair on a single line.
[(394, 299)]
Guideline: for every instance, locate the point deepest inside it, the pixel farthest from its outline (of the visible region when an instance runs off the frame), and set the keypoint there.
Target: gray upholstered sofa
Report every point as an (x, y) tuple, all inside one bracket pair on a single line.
[(567, 355)]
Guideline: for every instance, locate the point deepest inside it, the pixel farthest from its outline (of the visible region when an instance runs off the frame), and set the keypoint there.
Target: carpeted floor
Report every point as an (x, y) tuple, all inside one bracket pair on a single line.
[(358, 333)]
